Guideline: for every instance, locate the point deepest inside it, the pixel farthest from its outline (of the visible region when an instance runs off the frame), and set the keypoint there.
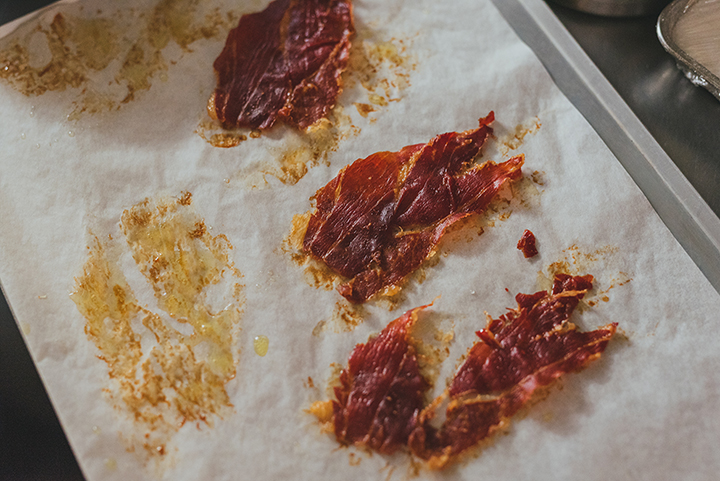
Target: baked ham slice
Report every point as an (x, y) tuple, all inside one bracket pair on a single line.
[(381, 392), (380, 400), (383, 216), (283, 63)]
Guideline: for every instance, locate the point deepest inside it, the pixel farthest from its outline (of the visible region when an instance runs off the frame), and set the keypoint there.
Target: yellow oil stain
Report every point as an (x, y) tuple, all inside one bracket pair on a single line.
[(322, 410), (319, 276), (65, 68), (294, 240), (431, 338), (310, 148), (224, 139), (514, 140), (166, 367), (95, 40), (110, 464), (82, 52), (377, 100), (381, 67), (577, 261), (538, 177), (344, 318), (261, 345), (298, 151)]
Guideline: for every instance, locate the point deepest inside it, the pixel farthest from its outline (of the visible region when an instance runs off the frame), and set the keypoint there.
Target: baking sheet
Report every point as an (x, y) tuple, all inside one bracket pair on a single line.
[(53, 195), (682, 209)]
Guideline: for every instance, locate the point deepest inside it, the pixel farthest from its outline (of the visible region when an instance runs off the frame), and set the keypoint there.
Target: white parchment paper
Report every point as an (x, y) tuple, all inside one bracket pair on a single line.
[(646, 410)]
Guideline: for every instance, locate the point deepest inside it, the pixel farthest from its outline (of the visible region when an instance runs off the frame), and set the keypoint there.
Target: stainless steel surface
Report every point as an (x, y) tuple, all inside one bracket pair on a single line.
[(682, 118), (695, 71), (616, 8)]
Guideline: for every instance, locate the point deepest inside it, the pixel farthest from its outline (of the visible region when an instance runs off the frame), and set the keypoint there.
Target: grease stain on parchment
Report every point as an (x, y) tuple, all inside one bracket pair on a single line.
[(297, 150), (431, 338), (578, 261), (316, 274), (304, 150), (381, 67), (515, 139), (98, 57), (168, 366), (344, 318)]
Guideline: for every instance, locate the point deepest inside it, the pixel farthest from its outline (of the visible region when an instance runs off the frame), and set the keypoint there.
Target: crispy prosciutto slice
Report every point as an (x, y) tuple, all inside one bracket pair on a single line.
[(382, 216), (283, 63), (521, 351), (380, 400), (381, 391)]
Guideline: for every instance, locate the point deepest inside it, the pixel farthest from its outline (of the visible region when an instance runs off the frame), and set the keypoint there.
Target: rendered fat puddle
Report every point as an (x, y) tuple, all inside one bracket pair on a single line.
[(261, 344), (169, 365)]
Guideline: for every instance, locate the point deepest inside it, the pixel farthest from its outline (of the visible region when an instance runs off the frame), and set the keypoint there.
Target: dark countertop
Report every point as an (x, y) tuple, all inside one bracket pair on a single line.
[(681, 117)]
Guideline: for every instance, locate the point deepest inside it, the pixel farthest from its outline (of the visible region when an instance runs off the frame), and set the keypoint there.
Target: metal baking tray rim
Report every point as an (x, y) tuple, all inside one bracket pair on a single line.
[(696, 72), (688, 217)]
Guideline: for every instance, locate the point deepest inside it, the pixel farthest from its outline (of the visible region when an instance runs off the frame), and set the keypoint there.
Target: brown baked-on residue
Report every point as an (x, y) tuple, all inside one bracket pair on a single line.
[(380, 401), (110, 57), (283, 63), (384, 215), (169, 365)]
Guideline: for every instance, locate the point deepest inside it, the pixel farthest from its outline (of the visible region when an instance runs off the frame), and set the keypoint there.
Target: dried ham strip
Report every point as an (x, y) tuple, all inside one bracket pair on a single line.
[(520, 352), (381, 391), (283, 63), (379, 403), (382, 216)]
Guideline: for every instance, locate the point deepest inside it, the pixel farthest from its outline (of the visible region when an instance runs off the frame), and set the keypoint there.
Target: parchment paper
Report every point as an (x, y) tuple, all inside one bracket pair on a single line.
[(646, 410)]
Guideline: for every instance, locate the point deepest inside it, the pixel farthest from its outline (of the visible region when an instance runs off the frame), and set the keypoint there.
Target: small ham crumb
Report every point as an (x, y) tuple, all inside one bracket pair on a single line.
[(526, 244)]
